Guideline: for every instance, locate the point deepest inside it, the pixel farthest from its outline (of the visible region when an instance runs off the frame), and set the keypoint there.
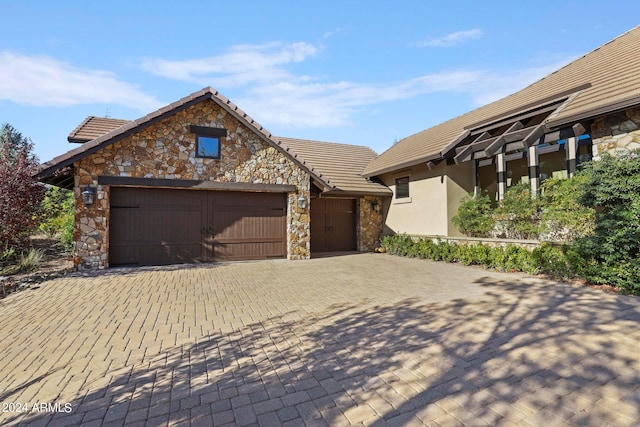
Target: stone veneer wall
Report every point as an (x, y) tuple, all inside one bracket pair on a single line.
[(166, 150), (618, 131), (369, 223)]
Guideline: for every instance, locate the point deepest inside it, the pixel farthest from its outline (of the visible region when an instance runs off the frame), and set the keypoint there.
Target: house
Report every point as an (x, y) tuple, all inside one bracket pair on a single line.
[(544, 130), (199, 180)]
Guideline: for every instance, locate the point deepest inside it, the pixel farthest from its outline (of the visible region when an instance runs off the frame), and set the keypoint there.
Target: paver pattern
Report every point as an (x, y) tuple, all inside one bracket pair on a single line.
[(364, 339)]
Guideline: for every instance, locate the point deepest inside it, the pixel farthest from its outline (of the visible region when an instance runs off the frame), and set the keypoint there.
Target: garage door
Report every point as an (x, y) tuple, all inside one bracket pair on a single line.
[(162, 226), (333, 225)]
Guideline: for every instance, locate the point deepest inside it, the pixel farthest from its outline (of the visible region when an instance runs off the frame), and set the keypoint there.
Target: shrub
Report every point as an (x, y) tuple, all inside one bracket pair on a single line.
[(550, 260), (58, 215), (30, 259), (477, 254), (7, 257), (611, 255), (11, 262), (518, 214), (397, 244), (543, 259), (563, 216), (474, 216)]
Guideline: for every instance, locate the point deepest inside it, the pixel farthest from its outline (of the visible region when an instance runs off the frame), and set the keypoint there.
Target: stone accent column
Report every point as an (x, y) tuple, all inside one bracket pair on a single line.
[(534, 170), (501, 169), (91, 245), (369, 222), (299, 224)]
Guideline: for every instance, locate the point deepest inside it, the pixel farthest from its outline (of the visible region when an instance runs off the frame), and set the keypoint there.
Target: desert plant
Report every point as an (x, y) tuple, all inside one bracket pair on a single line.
[(30, 259)]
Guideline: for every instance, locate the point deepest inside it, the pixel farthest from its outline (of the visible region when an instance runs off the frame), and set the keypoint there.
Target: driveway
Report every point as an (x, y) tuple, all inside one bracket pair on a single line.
[(365, 339)]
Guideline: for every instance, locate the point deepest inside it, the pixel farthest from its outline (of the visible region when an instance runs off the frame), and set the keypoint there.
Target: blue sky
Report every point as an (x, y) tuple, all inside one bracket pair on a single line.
[(366, 73)]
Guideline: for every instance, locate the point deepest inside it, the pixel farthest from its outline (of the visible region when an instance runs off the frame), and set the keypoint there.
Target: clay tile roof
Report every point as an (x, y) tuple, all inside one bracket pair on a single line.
[(360, 156), (604, 80), (93, 127), (342, 164)]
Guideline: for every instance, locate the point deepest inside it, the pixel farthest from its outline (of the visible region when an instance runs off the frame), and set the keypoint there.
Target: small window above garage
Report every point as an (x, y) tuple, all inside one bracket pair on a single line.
[(208, 141)]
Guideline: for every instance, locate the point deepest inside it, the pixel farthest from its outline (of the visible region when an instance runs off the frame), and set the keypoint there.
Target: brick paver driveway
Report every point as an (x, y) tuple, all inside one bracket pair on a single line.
[(355, 340)]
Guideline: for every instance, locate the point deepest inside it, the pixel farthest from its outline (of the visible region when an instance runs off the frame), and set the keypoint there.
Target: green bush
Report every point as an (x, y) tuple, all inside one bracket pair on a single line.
[(397, 244), (474, 216), (7, 258), (57, 211), (543, 259), (12, 263), (611, 255), (550, 260), (563, 216), (517, 214)]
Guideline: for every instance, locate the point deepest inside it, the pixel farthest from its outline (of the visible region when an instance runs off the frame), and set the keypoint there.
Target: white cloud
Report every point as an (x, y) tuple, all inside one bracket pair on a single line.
[(296, 104), (44, 81), (274, 95), (452, 39), (242, 65)]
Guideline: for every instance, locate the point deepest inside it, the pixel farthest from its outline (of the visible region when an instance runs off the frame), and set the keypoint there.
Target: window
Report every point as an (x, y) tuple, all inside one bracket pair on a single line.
[(552, 159), (208, 141), (402, 187), (208, 146)]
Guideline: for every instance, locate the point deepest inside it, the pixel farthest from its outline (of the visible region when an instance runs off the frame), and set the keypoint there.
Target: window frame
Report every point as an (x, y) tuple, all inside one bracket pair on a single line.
[(199, 139), (397, 184), (210, 133)]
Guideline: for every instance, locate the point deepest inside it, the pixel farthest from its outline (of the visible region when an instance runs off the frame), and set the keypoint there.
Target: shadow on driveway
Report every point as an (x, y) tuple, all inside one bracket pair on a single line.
[(524, 352)]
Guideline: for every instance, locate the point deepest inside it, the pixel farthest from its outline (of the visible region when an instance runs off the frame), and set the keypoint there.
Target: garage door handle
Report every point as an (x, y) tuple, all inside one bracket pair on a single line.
[(329, 228), (210, 231), (203, 231)]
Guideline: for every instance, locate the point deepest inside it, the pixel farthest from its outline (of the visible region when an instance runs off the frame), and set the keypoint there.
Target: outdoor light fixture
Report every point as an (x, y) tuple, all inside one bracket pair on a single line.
[(89, 196), (375, 206), (302, 202)]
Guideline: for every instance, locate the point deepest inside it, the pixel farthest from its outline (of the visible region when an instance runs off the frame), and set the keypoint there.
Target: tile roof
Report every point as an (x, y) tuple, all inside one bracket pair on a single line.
[(342, 164), (604, 80), (93, 127), (112, 135)]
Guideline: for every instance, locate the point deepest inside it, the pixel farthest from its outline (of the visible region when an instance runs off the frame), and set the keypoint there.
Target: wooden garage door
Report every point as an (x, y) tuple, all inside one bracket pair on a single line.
[(333, 225), (162, 226)]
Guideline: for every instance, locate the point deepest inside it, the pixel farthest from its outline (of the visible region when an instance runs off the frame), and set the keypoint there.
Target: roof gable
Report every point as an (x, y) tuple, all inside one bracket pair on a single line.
[(604, 80), (50, 168)]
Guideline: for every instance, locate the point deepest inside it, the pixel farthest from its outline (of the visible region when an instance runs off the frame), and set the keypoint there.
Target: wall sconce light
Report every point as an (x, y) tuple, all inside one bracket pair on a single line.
[(302, 202), (375, 206), (89, 196)]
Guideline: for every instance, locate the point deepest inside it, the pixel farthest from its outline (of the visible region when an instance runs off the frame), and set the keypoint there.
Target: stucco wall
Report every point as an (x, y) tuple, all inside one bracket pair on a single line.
[(460, 180), (166, 150), (434, 198)]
